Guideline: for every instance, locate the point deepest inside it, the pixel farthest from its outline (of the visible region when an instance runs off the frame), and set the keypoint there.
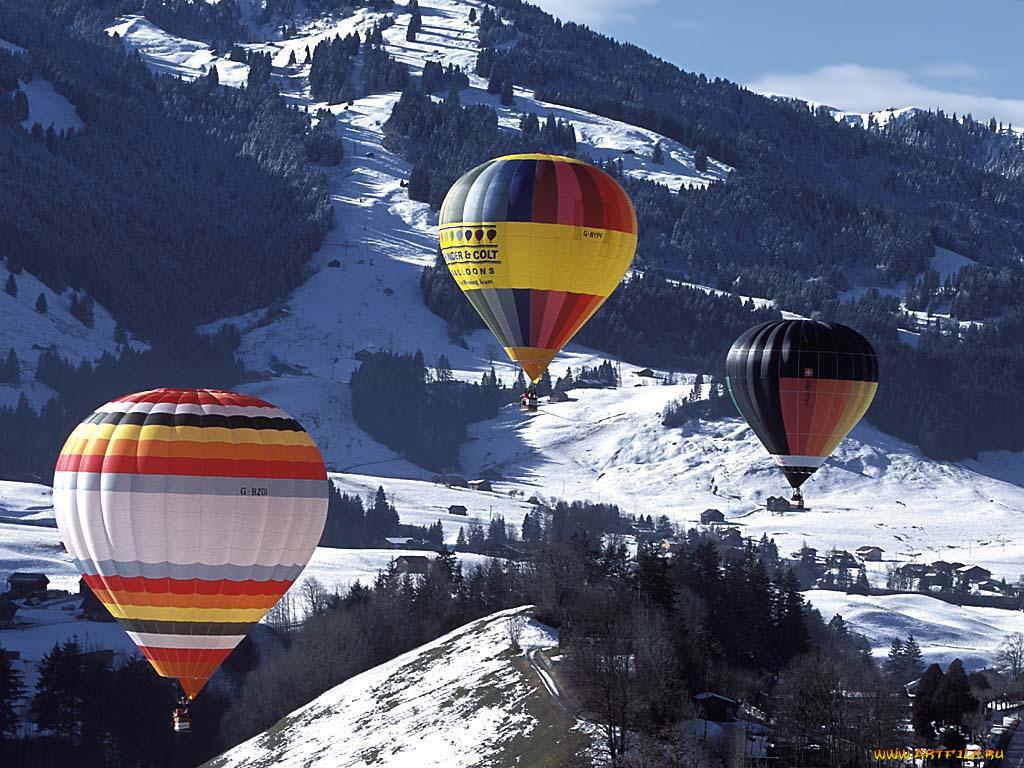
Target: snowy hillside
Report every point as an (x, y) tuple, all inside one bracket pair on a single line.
[(609, 445), (29, 332), (944, 632), (462, 701)]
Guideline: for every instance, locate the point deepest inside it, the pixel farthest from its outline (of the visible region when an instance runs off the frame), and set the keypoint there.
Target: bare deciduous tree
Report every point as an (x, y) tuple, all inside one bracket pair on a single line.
[(514, 627), (315, 596), (1010, 656)]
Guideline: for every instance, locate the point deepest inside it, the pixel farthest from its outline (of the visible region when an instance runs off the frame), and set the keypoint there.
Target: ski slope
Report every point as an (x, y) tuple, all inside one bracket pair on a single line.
[(460, 701), (944, 632)]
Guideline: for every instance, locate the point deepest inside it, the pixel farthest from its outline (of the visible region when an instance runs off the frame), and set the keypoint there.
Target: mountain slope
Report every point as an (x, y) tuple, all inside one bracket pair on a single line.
[(463, 701)]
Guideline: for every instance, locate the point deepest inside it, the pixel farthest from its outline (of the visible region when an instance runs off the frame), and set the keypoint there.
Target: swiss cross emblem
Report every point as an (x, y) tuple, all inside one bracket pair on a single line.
[(808, 372)]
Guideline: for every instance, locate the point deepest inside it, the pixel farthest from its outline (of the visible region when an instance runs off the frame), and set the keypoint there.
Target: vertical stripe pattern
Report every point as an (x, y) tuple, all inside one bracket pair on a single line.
[(189, 513), (537, 243), (802, 385)]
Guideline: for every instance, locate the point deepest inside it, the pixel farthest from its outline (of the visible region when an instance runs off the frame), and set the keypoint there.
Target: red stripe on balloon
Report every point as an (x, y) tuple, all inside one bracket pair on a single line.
[(227, 587), (545, 193), (570, 198), (162, 465)]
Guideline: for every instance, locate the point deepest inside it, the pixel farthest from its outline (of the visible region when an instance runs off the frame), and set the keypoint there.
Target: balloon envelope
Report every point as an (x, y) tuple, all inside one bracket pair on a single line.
[(802, 385), (537, 243), (189, 513)]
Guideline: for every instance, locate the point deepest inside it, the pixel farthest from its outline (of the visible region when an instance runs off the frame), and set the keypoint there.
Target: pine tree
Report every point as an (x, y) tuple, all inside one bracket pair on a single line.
[(213, 78), (415, 24), (895, 663), (507, 94), (658, 156), (20, 106), (494, 83), (460, 542), (11, 286), (472, 15), (10, 691), (913, 660), (10, 371), (700, 159)]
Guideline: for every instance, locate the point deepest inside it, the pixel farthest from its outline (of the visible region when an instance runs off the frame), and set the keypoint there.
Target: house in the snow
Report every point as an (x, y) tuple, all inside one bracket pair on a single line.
[(711, 517), (778, 504), (458, 509), (401, 542), (840, 558), (870, 554), (731, 537), (480, 485), (973, 574), (417, 565), (23, 584)]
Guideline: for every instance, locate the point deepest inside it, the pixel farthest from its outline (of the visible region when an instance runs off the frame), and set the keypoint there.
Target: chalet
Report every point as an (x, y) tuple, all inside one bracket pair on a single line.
[(716, 708), (480, 485), (870, 554), (935, 581), (991, 587), (26, 584), (778, 504), (943, 567), (401, 542), (914, 570), (973, 574), (840, 558), (412, 564), (711, 516), (505, 551), (458, 509), (334, 263), (731, 537), (454, 481), (644, 373)]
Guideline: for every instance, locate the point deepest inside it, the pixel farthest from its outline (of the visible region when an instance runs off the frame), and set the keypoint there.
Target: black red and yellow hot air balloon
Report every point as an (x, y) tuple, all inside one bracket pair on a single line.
[(189, 513), (537, 243), (802, 385)]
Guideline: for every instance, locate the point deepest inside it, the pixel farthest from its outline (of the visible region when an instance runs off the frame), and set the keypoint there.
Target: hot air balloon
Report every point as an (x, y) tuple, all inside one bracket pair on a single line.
[(537, 243), (801, 385), (189, 513)]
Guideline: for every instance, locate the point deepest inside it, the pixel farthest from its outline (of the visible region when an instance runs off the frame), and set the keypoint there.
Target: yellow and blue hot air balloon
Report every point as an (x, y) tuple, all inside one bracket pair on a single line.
[(537, 243)]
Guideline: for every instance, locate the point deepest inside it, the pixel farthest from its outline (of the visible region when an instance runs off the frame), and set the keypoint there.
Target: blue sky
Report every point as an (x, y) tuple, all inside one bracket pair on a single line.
[(961, 55)]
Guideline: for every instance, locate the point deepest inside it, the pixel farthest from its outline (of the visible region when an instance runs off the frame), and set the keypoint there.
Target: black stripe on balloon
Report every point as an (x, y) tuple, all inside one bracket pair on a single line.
[(215, 628), (139, 418), (797, 475), (522, 300), (520, 192)]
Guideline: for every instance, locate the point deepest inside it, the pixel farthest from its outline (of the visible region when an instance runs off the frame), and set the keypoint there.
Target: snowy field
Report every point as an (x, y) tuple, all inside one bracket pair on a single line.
[(28, 333), (944, 632), (49, 108), (609, 445), (457, 702)]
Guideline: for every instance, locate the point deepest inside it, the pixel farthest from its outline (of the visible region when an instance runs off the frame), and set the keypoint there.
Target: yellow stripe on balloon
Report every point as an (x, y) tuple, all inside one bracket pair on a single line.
[(140, 433), (165, 613), (548, 257)]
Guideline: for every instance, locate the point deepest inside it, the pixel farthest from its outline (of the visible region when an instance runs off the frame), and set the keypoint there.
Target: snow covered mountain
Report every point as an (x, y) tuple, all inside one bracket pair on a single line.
[(605, 445), (464, 700)]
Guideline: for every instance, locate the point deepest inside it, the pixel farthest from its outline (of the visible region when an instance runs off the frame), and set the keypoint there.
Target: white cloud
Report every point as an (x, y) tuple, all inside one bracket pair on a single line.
[(596, 12), (855, 88), (951, 69)]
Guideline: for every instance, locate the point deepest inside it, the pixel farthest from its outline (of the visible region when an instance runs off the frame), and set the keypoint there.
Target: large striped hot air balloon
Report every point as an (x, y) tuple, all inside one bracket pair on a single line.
[(537, 243), (802, 385), (189, 513)]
